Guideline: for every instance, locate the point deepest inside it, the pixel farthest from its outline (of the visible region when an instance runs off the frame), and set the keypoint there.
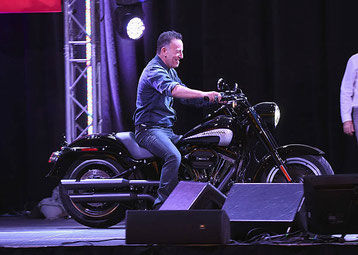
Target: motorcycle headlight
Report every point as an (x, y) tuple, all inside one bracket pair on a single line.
[(269, 113), (277, 115)]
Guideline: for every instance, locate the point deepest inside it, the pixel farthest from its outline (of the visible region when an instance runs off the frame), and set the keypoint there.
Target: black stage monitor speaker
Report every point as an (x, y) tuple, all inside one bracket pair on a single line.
[(194, 195), (177, 227), (332, 203), (262, 207)]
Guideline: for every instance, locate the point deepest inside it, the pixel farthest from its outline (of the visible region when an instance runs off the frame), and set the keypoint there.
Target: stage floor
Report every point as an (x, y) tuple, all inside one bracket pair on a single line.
[(28, 232), (22, 235)]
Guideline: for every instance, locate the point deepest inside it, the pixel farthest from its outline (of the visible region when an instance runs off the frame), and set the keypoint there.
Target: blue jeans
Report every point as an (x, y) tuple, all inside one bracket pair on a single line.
[(161, 143), (355, 121)]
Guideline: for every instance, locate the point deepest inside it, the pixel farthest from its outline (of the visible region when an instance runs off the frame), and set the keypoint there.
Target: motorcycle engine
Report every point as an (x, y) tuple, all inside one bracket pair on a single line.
[(207, 165), (202, 159)]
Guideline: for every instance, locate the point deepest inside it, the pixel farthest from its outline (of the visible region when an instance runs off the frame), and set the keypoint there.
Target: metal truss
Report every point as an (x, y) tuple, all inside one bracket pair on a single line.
[(81, 68)]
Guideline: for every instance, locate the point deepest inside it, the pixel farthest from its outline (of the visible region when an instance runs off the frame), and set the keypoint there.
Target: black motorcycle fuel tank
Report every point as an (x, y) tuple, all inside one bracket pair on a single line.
[(216, 131)]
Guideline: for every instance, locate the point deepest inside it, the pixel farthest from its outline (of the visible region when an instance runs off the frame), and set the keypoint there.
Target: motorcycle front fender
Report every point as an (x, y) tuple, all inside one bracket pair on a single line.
[(296, 150), (286, 151), (293, 150)]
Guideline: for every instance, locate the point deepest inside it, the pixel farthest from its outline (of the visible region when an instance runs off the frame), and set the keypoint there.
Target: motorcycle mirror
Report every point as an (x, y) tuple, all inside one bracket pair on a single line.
[(237, 89), (222, 85)]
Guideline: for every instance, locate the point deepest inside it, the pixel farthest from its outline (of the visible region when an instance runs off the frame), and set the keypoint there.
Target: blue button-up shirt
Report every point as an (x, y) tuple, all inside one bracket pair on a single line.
[(154, 95)]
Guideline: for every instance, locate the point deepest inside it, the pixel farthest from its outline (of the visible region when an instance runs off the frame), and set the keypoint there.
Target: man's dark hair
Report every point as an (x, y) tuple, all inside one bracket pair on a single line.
[(165, 39)]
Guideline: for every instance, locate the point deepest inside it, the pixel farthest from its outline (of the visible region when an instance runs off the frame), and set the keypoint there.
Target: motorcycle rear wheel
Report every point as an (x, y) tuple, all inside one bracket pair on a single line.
[(99, 214), (298, 166)]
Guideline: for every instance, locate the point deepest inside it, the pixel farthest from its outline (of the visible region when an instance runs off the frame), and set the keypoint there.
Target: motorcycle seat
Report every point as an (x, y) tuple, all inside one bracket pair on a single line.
[(128, 140)]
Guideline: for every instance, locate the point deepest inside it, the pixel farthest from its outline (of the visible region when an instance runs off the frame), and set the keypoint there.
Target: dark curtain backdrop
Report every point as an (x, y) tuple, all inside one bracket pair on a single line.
[(290, 52), (32, 105)]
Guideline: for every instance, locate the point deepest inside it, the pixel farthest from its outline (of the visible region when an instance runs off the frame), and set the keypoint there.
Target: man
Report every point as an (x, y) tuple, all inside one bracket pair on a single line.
[(349, 97), (155, 116)]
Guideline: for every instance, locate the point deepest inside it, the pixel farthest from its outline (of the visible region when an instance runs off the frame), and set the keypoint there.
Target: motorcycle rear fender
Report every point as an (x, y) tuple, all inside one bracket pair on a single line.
[(99, 146), (286, 151)]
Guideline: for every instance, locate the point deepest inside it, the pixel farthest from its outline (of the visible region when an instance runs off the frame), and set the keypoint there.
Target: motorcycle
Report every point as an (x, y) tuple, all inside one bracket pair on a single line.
[(103, 175)]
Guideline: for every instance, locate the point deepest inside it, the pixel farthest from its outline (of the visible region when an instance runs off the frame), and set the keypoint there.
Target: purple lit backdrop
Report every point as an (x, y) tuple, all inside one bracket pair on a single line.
[(291, 52), (119, 72)]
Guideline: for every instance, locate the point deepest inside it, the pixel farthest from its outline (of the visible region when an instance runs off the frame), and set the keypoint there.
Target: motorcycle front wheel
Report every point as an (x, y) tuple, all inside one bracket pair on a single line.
[(297, 167), (93, 214)]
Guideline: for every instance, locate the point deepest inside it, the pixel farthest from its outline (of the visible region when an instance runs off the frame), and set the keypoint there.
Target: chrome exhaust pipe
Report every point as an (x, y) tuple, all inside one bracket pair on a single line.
[(110, 197), (105, 183)]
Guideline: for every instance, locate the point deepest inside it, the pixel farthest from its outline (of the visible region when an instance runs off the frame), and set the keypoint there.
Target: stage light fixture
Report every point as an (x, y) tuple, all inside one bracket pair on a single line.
[(134, 27), (130, 17)]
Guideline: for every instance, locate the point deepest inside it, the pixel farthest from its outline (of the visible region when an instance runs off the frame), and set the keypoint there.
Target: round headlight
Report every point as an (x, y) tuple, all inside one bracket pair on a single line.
[(277, 115), (269, 113)]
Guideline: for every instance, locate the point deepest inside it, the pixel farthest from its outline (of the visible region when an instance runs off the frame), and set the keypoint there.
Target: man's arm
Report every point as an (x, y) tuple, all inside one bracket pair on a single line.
[(184, 92), (347, 91), (346, 97)]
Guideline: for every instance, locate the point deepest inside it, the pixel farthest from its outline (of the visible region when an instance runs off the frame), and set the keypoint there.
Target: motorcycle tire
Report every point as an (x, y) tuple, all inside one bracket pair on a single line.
[(298, 166), (93, 214)]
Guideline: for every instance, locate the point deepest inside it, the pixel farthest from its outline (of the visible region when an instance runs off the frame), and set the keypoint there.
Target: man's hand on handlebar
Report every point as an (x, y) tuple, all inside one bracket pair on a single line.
[(212, 96)]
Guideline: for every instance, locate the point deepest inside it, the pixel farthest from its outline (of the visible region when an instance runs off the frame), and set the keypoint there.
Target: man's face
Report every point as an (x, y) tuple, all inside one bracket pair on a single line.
[(173, 53)]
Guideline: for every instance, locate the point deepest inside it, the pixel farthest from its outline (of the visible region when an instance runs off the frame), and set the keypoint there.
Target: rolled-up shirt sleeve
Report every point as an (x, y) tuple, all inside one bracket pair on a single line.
[(348, 87), (161, 81)]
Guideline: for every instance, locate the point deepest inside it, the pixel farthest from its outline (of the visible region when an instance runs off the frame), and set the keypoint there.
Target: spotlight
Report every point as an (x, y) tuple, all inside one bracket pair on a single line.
[(134, 27), (130, 17)]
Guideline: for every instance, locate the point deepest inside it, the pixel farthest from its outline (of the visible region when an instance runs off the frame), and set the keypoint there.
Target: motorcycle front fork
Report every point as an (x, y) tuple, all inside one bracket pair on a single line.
[(280, 163)]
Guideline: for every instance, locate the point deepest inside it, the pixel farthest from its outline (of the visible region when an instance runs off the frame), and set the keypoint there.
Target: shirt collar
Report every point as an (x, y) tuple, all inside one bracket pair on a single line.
[(160, 61)]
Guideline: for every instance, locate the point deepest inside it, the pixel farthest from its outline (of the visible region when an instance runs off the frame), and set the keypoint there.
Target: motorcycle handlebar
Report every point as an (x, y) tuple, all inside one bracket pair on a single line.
[(228, 96), (232, 96)]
